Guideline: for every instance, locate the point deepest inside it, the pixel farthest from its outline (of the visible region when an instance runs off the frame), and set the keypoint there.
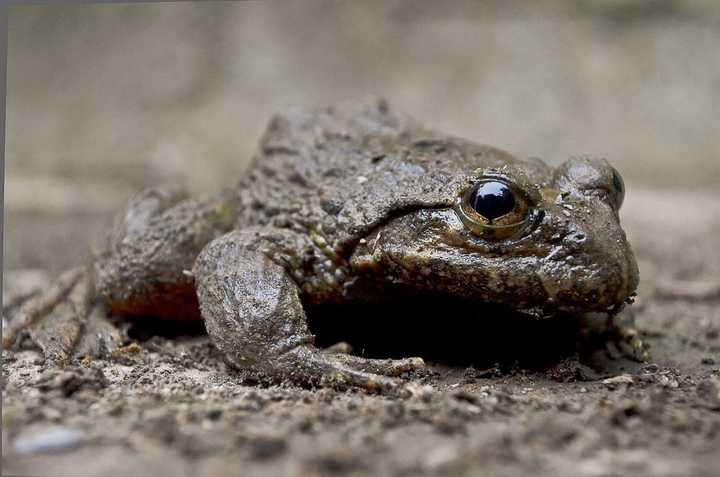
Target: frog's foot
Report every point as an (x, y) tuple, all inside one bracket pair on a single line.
[(624, 340), (342, 350), (60, 320), (387, 367), (306, 364)]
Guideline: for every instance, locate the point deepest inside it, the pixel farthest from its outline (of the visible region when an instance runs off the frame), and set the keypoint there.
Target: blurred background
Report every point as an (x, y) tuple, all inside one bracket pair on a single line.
[(104, 100)]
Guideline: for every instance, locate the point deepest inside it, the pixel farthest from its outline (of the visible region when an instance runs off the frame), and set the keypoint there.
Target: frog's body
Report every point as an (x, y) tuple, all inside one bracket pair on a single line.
[(338, 204)]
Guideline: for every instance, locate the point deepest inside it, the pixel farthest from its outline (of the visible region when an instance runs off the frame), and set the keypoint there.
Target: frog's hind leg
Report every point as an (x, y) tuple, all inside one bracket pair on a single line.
[(60, 321), (146, 270), (253, 313), (142, 272)]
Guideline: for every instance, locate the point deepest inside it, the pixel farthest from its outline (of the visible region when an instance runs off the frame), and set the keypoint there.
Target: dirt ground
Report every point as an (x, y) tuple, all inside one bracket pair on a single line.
[(174, 408), (171, 407)]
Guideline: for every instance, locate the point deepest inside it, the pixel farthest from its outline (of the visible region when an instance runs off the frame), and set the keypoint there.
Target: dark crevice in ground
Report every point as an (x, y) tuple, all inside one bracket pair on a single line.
[(145, 328), (447, 331), (439, 329)]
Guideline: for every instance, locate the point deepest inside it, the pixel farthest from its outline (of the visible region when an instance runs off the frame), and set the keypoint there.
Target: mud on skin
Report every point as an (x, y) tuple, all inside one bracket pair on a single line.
[(345, 205)]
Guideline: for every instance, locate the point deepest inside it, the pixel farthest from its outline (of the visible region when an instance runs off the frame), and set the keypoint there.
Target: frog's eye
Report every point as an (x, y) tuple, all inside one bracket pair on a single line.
[(492, 199), (493, 208), (618, 186)]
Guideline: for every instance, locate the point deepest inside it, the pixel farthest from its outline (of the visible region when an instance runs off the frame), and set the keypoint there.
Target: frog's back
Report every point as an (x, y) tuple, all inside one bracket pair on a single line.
[(344, 169)]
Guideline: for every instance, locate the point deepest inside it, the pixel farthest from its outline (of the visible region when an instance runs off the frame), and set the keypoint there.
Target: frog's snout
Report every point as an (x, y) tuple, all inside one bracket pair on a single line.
[(592, 267), (613, 270)]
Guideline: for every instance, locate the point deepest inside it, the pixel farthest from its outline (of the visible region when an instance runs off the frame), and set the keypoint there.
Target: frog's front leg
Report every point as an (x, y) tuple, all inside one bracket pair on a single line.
[(616, 334), (625, 336), (253, 313)]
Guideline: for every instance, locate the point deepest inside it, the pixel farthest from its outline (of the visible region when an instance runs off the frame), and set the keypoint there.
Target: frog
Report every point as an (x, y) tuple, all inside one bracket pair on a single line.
[(347, 204)]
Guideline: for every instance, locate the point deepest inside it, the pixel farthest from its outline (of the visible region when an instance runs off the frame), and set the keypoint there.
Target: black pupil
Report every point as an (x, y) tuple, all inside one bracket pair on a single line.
[(492, 199)]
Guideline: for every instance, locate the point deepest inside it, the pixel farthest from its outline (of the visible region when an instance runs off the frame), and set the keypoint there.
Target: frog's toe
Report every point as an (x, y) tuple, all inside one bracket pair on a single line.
[(341, 347), (342, 376), (387, 367), (310, 365), (58, 320)]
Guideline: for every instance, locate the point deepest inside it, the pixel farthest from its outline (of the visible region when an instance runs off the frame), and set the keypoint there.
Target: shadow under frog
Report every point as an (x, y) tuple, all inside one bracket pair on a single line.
[(355, 210)]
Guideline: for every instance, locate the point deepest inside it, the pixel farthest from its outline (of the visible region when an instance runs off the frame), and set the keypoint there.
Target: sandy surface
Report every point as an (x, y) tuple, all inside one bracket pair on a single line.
[(638, 85), (174, 408)]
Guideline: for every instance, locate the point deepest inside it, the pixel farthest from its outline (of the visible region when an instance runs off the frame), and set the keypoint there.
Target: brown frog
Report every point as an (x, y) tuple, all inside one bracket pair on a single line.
[(348, 204)]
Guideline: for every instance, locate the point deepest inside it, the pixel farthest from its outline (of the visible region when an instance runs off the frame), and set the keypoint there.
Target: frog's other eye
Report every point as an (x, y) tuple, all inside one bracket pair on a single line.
[(494, 208), (618, 186), (611, 189)]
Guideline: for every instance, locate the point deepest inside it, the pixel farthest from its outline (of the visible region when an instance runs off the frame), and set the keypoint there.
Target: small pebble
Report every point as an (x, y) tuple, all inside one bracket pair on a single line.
[(55, 439), (246, 404), (420, 392), (621, 379)]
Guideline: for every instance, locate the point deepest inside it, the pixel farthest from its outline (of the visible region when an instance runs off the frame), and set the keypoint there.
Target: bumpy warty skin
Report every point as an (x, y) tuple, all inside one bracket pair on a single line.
[(375, 192), (368, 197)]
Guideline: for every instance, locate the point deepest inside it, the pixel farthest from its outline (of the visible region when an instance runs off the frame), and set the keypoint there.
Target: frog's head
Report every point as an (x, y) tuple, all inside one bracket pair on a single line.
[(520, 235)]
